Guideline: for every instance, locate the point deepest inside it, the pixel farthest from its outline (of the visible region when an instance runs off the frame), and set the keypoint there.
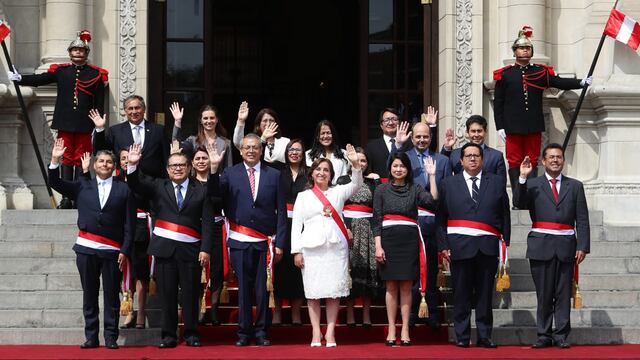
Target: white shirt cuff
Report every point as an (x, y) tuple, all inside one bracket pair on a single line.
[(99, 130), (131, 168), (53, 166), (522, 180)]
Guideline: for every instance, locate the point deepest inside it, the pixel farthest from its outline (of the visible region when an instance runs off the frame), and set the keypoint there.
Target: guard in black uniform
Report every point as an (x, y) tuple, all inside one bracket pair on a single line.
[(518, 102), (81, 87)]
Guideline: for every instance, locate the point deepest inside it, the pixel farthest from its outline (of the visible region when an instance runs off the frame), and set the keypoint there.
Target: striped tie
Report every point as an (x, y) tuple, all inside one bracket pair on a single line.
[(252, 181), (474, 189)]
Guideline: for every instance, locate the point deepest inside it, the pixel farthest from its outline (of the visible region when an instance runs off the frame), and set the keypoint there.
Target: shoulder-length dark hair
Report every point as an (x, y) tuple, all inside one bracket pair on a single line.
[(314, 165), (261, 113), (220, 130), (303, 163), (404, 158), (317, 149), (360, 150)]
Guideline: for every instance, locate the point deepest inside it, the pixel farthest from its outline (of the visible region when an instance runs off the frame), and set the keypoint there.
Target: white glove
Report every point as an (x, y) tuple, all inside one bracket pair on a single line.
[(14, 75), (503, 135), (588, 80)]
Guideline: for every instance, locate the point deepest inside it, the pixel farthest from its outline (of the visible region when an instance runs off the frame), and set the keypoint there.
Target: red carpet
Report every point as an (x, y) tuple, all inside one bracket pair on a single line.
[(361, 351)]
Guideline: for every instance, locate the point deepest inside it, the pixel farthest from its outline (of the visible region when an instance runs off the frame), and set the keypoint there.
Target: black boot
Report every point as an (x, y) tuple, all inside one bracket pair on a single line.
[(514, 175), (66, 173)]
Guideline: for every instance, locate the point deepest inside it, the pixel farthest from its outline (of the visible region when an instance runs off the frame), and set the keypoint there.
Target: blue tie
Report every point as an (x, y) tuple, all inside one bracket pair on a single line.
[(179, 196), (394, 148), (474, 189)]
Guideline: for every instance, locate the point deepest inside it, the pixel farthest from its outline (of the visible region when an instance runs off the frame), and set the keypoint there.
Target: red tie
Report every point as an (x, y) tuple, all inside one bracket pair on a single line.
[(252, 181), (554, 188)]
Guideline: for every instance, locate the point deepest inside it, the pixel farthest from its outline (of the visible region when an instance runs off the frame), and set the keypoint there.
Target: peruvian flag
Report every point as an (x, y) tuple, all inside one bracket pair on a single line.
[(4, 30), (623, 28)]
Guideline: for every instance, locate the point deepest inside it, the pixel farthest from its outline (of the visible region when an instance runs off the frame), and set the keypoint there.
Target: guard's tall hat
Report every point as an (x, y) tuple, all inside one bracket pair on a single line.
[(523, 39), (82, 41)]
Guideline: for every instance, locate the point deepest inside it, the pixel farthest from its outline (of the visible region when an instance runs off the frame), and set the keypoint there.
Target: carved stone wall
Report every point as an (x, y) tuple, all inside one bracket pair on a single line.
[(464, 66), (127, 49)]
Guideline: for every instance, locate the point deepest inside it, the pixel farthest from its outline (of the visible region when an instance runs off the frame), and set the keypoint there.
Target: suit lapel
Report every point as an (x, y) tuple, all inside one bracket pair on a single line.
[(383, 147), (463, 187), (190, 190), (244, 174), (263, 180), (565, 187), (128, 133), (484, 184), (546, 188), (96, 190), (168, 186), (147, 134)]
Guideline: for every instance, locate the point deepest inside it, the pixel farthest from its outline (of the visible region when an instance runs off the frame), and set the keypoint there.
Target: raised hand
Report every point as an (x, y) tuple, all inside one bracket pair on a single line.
[(352, 155), (215, 158), (526, 167), (243, 112), (177, 112), (135, 153), (270, 131), (430, 117), (175, 148), (85, 160), (430, 166), (58, 151), (449, 139), (401, 135), (98, 121)]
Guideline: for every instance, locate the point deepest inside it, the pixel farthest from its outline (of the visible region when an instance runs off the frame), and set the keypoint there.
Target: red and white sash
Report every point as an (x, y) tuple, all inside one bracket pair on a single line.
[(424, 212), (97, 242), (356, 211), (176, 232), (395, 219), (245, 234), (552, 228), (127, 276), (338, 224), (471, 228), (290, 210)]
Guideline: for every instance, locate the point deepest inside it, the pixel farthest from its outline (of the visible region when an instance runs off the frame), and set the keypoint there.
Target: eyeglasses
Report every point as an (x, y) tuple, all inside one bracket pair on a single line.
[(472, 156), (390, 120), (295, 151), (177, 166), (554, 157), (251, 147)]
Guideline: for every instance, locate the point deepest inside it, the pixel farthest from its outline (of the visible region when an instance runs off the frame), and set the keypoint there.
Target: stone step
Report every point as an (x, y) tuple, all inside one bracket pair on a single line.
[(39, 216), (39, 232), (579, 335), (613, 249), (51, 300), (59, 318), (622, 233), (591, 265), (520, 282), (37, 266), (590, 299), (579, 318), (74, 336)]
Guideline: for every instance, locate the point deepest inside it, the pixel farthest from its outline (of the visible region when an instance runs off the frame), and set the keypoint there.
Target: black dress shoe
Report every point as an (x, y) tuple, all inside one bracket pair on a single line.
[(90, 344), (462, 344), (542, 343), (168, 344), (263, 341), (194, 343), (405, 342), (111, 344), (486, 343), (563, 344), (390, 342), (242, 342)]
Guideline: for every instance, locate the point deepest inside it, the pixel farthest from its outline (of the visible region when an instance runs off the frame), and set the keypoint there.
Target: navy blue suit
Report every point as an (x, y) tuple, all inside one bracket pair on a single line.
[(474, 259), (268, 215), (492, 161), (116, 221)]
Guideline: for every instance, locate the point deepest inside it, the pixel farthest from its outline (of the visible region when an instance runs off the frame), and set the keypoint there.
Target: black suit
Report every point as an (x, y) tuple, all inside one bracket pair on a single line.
[(155, 149), (552, 256), (115, 221), (377, 155), (177, 261), (492, 161), (474, 259)]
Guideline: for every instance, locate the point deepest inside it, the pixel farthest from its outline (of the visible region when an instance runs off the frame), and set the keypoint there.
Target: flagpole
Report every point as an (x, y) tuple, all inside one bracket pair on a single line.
[(30, 128), (584, 90)]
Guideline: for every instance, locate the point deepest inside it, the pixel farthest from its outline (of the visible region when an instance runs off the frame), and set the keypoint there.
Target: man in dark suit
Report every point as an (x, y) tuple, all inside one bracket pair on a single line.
[(181, 242), (473, 216), (254, 203), (136, 130), (558, 209), (106, 220), (492, 159), (418, 152), (378, 150)]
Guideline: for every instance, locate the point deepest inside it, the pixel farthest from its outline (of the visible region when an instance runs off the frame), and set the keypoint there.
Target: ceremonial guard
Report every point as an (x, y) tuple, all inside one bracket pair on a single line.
[(518, 102), (81, 87), (557, 243)]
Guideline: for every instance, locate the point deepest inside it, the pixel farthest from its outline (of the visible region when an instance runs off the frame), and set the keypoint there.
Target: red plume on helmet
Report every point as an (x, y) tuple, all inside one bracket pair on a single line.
[(85, 36), (527, 31)]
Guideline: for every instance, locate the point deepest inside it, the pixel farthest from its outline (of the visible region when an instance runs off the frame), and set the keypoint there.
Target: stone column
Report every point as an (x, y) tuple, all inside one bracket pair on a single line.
[(526, 12), (63, 19)]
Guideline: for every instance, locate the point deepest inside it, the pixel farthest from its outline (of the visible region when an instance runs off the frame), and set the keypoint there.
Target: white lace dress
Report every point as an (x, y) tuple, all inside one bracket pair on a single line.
[(326, 256)]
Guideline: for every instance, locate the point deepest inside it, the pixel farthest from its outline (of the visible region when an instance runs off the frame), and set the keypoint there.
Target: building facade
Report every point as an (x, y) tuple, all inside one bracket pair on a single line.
[(340, 60)]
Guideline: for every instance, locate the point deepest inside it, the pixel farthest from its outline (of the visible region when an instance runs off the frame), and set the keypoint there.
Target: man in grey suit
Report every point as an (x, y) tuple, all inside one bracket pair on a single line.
[(557, 242)]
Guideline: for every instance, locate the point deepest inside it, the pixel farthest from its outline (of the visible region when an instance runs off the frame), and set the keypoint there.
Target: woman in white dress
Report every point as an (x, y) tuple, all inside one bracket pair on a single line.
[(325, 145), (267, 127), (319, 242)]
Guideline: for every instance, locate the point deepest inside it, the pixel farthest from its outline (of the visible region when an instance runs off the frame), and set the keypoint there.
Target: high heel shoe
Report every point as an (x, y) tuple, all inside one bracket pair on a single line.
[(390, 342), (405, 342), (129, 321), (331, 344)]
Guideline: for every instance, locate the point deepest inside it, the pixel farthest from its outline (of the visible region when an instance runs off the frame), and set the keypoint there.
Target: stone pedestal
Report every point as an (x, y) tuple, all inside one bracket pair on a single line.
[(17, 194)]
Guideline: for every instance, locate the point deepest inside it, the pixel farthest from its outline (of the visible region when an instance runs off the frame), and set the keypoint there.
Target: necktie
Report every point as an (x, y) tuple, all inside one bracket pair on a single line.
[(179, 196), (101, 192), (252, 181), (393, 145), (554, 189), (474, 189), (136, 135)]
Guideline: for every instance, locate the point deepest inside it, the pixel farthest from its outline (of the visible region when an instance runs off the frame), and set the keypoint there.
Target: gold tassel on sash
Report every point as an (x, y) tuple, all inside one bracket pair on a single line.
[(153, 287), (423, 311), (203, 276), (203, 302), (126, 305), (577, 297), (503, 281), (224, 294), (272, 300)]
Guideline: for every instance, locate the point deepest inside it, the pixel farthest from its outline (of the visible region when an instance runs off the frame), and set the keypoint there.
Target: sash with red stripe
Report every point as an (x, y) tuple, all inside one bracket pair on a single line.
[(395, 219), (246, 234), (339, 227), (290, 210), (552, 228), (357, 211), (176, 232), (127, 277), (97, 242), (424, 212), (475, 228)]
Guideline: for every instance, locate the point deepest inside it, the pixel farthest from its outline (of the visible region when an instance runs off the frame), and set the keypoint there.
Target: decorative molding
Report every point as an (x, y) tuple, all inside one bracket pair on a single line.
[(127, 49), (464, 57), (600, 188)]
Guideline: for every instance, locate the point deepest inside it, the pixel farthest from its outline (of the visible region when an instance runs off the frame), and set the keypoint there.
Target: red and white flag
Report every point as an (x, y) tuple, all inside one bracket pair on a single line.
[(624, 29), (4, 30)]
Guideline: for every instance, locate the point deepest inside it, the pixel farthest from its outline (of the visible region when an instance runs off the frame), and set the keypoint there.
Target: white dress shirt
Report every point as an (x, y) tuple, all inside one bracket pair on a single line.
[(183, 190), (256, 174), (104, 189), (133, 132), (558, 182), (467, 179), (387, 141)]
